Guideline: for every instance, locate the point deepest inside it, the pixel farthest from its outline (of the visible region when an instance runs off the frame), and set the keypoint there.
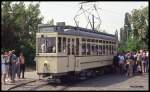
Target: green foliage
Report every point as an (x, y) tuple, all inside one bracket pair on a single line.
[(140, 24), (18, 21), (139, 36)]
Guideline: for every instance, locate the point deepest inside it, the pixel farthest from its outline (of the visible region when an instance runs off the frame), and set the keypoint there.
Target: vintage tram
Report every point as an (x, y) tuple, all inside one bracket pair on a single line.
[(63, 50)]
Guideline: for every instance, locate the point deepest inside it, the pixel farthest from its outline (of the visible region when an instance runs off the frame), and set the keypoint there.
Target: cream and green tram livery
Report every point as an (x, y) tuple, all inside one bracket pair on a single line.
[(66, 50)]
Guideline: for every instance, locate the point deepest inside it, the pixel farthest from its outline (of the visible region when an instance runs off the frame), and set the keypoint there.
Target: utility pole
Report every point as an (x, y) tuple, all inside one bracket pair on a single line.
[(93, 22)]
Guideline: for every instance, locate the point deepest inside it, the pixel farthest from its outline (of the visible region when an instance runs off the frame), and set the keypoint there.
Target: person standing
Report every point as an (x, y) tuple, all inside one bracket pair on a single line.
[(147, 55), (6, 56), (121, 63), (13, 62), (130, 63), (116, 63), (10, 65), (144, 62), (22, 64), (3, 67), (18, 67), (139, 61), (135, 63)]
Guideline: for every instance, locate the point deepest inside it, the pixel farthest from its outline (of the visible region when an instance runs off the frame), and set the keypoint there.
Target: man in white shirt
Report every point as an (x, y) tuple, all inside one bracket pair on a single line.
[(121, 62)]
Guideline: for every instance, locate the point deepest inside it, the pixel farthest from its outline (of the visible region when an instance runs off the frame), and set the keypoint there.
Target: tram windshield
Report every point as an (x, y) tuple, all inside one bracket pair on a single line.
[(47, 45)]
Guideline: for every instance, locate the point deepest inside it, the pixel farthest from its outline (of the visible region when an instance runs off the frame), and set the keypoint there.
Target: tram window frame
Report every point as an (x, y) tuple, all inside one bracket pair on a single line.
[(59, 44), (92, 40), (88, 40), (100, 49), (64, 45), (92, 49), (106, 49), (112, 49), (68, 46), (88, 49), (49, 45), (109, 49), (100, 41), (103, 49), (96, 49), (73, 52), (83, 49), (77, 46), (83, 40)]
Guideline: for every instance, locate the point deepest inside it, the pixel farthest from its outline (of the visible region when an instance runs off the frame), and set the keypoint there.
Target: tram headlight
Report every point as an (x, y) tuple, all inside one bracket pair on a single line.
[(45, 62), (45, 69)]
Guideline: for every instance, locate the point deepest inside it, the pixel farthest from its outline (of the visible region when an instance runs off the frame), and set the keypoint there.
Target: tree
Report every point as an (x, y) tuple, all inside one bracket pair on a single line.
[(19, 25), (138, 38), (140, 24), (51, 22)]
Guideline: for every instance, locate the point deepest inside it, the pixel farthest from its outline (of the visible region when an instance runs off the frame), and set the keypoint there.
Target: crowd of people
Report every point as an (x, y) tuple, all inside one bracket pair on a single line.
[(131, 62), (12, 65), (128, 63)]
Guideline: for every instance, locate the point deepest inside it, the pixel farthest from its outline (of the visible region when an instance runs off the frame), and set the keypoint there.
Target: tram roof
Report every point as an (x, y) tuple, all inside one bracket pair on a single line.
[(77, 31)]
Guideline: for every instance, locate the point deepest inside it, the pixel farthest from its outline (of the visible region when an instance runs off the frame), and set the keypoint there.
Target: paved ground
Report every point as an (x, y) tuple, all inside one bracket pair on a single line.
[(29, 76), (107, 82), (104, 82)]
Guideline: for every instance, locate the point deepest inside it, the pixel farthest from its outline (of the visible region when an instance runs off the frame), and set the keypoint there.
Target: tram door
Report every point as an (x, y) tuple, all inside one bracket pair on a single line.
[(71, 63), (71, 54)]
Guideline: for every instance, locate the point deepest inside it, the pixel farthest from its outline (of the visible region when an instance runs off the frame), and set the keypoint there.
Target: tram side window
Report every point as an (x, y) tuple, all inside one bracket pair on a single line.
[(92, 52), (72, 46), (109, 49), (112, 50), (88, 49), (104, 49), (51, 44), (59, 44), (83, 49), (68, 47), (41, 45), (47, 45), (77, 46), (96, 51), (100, 50), (64, 45)]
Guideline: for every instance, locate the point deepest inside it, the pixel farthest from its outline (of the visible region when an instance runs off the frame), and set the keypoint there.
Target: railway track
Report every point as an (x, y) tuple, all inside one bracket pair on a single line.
[(37, 84), (106, 81)]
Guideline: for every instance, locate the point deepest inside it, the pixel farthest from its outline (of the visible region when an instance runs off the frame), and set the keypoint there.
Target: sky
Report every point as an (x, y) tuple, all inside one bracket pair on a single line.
[(111, 13)]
